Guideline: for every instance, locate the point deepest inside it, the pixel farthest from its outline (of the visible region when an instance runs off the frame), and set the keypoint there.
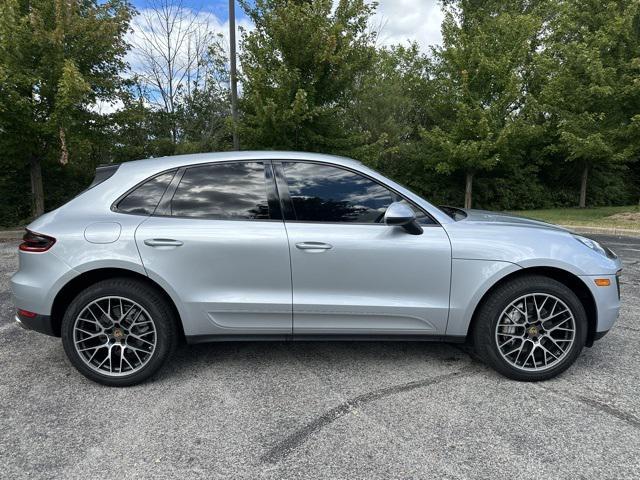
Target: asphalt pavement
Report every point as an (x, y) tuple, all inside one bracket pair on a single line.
[(369, 410)]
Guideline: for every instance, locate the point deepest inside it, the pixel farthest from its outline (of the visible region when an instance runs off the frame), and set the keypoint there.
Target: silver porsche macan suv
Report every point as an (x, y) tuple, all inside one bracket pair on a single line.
[(286, 245)]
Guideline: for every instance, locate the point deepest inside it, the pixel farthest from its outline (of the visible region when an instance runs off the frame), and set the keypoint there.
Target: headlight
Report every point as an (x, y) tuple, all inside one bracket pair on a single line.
[(595, 246)]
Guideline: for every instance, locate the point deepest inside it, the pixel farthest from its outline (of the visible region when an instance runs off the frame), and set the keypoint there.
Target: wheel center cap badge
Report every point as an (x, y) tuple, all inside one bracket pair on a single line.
[(533, 331), (118, 333)]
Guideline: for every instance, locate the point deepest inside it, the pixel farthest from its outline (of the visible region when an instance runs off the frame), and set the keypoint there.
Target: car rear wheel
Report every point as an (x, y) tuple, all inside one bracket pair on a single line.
[(531, 328), (119, 332)]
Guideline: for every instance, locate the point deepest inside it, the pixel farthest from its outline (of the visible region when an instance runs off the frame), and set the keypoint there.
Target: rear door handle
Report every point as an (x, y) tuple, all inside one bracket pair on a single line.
[(318, 246), (162, 242)]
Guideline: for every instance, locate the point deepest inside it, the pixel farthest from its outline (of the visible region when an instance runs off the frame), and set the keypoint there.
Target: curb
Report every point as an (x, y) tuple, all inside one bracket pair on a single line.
[(11, 234), (622, 232)]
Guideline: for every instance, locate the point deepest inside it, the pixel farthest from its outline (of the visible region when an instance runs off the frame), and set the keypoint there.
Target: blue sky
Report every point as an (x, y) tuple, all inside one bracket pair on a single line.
[(218, 7)]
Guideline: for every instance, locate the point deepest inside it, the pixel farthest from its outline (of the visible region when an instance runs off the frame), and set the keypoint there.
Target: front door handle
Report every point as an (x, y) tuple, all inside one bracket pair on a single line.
[(162, 242), (314, 246)]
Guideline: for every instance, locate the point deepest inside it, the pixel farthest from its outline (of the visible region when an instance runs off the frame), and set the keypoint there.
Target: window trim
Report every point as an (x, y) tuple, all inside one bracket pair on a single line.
[(114, 205), (273, 199), (290, 216), (286, 205), (278, 185), (164, 205)]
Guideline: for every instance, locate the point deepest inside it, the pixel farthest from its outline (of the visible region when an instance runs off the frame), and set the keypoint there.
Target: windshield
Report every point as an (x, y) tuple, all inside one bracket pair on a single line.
[(456, 213)]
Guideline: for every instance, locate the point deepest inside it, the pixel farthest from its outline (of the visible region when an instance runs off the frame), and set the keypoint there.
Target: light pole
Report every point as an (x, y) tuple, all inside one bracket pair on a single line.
[(234, 74)]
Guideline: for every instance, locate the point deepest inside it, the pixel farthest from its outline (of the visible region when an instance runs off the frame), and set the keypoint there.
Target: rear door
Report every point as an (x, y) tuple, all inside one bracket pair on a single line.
[(218, 243), (351, 273)]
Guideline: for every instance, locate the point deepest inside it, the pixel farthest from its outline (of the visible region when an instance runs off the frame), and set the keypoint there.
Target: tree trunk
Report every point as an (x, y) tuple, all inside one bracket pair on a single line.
[(583, 187), (64, 152), (468, 190), (37, 192)]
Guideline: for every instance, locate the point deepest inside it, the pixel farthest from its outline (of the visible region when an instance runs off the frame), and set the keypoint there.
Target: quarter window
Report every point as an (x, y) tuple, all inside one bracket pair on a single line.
[(144, 199), (322, 193), (228, 191)]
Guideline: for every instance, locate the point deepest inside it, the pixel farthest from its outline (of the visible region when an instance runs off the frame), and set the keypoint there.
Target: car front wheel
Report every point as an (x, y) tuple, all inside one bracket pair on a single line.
[(118, 332), (531, 328)]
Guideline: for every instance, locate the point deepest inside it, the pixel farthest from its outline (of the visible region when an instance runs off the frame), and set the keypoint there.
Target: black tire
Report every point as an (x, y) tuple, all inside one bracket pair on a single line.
[(146, 296), (484, 328)]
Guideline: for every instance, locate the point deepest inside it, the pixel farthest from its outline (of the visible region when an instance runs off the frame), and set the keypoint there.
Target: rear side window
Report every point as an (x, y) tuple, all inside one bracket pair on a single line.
[(144, 199), (225, 191)]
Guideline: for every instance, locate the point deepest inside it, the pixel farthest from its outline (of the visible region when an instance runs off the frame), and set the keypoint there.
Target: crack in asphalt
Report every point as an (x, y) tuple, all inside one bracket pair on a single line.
[(291, 442), (627, 417)]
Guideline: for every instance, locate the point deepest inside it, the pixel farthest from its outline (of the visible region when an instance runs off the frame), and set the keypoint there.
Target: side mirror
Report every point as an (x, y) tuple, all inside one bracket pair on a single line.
[(400, 214)]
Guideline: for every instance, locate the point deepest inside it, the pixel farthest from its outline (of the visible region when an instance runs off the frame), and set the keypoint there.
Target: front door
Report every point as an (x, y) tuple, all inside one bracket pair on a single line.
[(220, 245), (351, 273)]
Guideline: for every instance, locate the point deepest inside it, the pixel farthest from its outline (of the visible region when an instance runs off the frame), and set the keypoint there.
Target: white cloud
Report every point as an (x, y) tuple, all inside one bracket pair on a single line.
[(398, 22), (103, 107), (204, 19), (404, 21)]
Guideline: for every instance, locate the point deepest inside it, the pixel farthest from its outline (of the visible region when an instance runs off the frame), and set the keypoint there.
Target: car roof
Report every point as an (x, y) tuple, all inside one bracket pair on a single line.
[(163, 163)]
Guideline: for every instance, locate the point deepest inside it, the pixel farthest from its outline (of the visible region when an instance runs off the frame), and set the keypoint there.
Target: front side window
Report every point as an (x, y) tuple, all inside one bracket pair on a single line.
[(144, 199), (322, 193), (226, 191)]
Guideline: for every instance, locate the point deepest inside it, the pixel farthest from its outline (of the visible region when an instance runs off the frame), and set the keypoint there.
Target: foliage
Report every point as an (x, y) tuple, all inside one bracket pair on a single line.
[(298, 82), (480, 90), (57, 59), (591, 63), (524, 105)]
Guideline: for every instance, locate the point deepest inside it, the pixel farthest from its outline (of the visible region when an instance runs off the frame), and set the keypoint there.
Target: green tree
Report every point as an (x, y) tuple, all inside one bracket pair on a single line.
[(387, 108), (198, 122), (57, 59), (480, 76), (591, 95), (391, 105), (133, 129), (203, 116), (300, 66)]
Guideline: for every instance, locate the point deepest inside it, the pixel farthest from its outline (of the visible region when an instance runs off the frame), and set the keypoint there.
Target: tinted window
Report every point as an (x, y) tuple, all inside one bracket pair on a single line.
[(144, 199), (321, 193), (230, 191)]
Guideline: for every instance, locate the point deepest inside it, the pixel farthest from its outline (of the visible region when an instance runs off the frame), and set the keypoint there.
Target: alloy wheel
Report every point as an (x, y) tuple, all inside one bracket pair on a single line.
[(114, 336), (535, 332)]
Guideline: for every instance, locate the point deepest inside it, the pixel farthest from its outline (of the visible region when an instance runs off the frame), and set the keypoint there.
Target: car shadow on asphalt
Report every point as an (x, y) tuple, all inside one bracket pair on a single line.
[(314, 355)]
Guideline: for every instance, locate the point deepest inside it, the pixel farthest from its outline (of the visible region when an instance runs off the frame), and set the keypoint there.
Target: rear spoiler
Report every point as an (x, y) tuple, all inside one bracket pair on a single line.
[(103, 172)]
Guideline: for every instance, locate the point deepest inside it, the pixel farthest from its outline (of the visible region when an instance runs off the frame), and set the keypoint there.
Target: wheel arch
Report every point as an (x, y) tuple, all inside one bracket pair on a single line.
[(72, 288), (565, 277)]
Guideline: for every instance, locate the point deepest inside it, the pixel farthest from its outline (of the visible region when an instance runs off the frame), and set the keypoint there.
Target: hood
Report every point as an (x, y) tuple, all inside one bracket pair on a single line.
[(494, 218)]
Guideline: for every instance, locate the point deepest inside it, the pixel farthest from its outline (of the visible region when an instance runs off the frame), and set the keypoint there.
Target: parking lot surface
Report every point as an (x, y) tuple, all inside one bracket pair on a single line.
[(323, 410)]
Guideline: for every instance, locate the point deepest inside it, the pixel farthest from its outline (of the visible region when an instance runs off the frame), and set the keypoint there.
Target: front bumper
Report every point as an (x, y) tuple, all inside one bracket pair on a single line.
[(39, 323), (607, 300)]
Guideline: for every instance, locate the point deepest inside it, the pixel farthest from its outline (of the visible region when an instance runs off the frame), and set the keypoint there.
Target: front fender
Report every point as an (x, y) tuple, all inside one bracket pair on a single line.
[(527, 246), (470, 280)]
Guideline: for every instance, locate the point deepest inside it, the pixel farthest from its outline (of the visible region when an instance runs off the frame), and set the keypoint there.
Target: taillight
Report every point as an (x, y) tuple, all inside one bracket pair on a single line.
[(36, 242)]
